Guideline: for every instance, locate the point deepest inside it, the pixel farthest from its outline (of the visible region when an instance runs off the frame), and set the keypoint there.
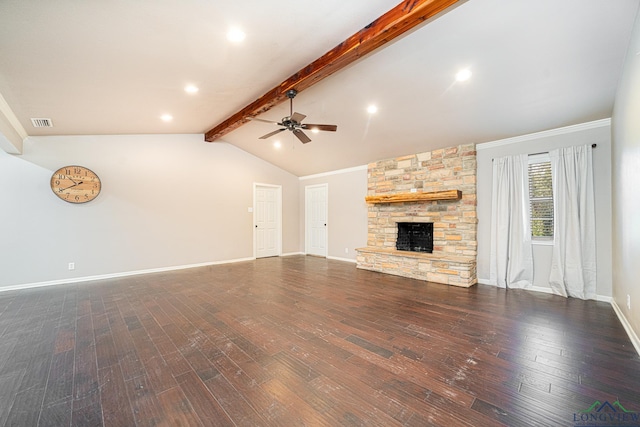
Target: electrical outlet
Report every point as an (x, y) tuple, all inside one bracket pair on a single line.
[(628, 302), (346, 250), (72, 266)]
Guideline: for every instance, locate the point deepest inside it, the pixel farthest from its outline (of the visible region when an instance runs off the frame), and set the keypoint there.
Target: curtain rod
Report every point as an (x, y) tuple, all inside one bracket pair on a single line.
[(546, 152)]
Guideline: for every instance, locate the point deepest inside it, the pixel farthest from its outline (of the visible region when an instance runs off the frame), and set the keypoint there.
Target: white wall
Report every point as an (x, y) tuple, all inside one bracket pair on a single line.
[(166, 200), (626, 186), (347, 226), (589, 133)]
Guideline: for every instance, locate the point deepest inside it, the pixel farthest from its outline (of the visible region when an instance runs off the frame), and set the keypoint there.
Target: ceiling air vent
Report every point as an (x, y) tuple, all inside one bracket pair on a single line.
[(42, 123)]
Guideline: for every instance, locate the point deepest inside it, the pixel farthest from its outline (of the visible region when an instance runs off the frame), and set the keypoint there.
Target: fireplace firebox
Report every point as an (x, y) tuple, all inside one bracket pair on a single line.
[(415, 237)]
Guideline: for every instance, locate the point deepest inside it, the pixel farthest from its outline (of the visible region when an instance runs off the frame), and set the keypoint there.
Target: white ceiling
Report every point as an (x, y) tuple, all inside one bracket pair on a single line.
[(113, 67)]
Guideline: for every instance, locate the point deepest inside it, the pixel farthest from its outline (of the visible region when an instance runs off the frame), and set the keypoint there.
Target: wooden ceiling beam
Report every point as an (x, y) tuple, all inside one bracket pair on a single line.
[(387, 27)]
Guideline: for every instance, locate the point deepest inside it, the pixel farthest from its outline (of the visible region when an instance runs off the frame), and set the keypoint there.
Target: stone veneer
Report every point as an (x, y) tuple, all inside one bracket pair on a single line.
[(454, 221)]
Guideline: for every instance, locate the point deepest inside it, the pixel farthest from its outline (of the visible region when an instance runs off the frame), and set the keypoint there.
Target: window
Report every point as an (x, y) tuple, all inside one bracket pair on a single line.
[(540, 197)]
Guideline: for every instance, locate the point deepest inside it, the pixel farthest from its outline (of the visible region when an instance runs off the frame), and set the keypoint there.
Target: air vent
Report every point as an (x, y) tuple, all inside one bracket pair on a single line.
[(42, 123)]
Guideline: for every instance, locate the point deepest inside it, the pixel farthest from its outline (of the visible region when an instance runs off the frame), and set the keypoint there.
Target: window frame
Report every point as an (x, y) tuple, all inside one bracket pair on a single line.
[(540, 240)]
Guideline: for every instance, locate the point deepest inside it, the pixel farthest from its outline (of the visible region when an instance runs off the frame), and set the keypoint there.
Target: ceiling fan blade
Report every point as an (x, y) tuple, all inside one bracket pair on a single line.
[(330, 128), (301, 136), (297, 117), (255, 119), (271, 133)]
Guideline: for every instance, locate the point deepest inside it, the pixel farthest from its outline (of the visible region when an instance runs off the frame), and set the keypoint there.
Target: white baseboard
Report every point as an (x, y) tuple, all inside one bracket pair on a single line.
[(292, 253), (541, 290), (117, 275), (335, 258), (627, 327), (533, 288), (127, 273), (549, 291), (544, 290)]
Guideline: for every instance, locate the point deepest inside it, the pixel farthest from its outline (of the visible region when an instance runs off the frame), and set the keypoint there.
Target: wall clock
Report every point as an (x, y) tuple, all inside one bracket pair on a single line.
[(75, 184)]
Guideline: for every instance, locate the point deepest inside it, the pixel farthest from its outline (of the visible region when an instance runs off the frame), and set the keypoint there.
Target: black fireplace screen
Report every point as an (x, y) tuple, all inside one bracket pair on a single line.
[(415, 236)]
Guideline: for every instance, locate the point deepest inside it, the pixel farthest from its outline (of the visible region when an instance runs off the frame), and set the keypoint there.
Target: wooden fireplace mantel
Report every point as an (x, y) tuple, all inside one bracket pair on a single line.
[(415, 197)]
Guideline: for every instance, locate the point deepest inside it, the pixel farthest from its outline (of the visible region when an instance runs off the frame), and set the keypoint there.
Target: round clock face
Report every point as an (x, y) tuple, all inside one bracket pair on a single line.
[(75, 184)]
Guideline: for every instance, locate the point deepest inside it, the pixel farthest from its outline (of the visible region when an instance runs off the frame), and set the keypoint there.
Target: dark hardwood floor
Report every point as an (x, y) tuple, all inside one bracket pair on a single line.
[(307, 341)]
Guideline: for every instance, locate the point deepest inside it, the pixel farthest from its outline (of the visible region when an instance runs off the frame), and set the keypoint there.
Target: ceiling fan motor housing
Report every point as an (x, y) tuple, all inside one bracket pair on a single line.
[(288, 123), (291, 93)]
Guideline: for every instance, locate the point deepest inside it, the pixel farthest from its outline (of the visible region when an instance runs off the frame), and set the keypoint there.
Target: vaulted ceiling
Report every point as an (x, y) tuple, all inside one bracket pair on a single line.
[(96, 67)]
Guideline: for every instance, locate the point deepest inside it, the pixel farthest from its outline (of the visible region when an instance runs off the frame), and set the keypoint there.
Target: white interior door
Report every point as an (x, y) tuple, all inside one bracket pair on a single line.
[(267, 210), (316, 213)]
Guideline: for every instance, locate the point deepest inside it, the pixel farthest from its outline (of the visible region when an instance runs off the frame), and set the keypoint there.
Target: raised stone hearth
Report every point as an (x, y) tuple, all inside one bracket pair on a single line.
[(448, 269), (437, 187)]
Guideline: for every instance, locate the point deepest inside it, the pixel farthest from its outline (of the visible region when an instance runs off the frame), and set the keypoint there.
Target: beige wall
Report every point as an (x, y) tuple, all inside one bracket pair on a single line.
[(626, 186), (167, 200), (347, 226)]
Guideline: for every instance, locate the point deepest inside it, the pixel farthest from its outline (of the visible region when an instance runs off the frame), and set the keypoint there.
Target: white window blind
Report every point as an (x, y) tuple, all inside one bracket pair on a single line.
[(541, 198)]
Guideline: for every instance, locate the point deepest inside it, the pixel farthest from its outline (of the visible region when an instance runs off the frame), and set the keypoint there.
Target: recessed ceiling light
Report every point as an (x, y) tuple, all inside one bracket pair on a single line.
[(372, 109), (166, 117), (191, 89), (235, 35), (277, 144), (463, 75)]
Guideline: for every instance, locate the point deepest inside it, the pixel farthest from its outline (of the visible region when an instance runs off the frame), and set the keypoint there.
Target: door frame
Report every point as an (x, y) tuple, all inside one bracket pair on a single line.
[(307, 227), (278, 212)]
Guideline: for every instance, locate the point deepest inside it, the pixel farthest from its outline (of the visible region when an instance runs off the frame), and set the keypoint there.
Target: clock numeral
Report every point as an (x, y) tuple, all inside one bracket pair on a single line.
[(57, 182), (77, 171), (60, 176)]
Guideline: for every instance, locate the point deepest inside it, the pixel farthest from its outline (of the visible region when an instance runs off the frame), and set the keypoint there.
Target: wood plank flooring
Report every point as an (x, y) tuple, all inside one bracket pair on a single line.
[(298, 341)]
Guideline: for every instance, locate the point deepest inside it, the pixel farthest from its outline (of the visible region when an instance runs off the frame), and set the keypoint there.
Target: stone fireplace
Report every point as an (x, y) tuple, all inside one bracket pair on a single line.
[(437, 187)]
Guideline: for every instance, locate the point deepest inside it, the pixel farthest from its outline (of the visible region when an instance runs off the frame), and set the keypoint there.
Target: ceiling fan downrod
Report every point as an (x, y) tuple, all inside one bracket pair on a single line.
[(291, 93)]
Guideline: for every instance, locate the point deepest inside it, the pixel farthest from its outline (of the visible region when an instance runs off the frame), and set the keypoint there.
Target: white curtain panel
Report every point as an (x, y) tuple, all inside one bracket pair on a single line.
[(511, 259), (573, 262)]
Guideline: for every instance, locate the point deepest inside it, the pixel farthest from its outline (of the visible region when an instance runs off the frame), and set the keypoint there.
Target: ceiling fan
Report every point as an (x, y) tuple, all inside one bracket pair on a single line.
[(293, 122)]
